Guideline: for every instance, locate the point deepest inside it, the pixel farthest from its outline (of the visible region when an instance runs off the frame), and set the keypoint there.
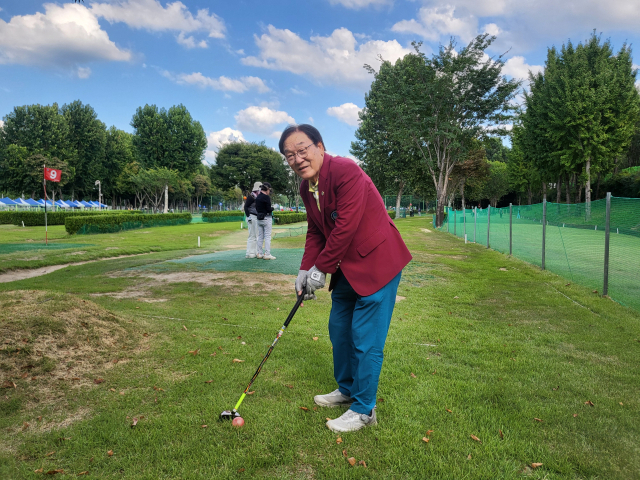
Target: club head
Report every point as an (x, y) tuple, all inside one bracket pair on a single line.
[(229, 414)]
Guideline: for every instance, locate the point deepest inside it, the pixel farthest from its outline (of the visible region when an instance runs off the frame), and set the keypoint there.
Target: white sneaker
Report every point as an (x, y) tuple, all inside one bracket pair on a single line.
[(269, 257), (333, 399), (251, 255), (259, 255), (351, 421)]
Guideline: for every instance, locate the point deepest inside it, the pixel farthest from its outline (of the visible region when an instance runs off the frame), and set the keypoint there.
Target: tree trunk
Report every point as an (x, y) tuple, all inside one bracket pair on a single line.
[(530, 195), (579, 193), (462, 195), (398, 199), (567, 188), (575, 183), (587, 189), (598, 187), (559, 189)]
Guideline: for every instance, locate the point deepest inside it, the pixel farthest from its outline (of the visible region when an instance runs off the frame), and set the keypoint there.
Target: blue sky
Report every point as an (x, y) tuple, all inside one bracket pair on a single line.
[(245, 69)]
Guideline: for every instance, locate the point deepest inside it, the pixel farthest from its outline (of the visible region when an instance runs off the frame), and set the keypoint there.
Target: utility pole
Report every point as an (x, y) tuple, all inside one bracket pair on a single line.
[(99, 194)]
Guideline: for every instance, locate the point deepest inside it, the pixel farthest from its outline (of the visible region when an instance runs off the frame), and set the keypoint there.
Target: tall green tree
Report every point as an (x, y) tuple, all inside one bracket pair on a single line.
[(86, 137), (153, 183), (241, 164), (168, 138), (118, 153), (439, 104)]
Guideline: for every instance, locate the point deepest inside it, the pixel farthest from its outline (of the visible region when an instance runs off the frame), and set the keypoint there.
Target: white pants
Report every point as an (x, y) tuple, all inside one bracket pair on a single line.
[(252, 241), (264, 235)]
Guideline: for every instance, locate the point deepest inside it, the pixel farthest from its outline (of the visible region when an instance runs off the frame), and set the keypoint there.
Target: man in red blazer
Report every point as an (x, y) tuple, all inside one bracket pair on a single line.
[(350, 236)]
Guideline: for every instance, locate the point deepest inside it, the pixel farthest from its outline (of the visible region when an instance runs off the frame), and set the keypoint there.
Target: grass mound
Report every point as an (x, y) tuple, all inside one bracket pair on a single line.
[(54, 343)]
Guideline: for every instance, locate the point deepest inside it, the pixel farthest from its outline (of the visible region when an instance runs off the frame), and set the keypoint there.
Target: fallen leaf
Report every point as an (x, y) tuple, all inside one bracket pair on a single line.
[(86, 472), (315, 339), (339, 440), (158, 389), (184, 327), (39, 418), (429, 432), (208, 381), (240, 470), (413, 375), (40, 470), (304, 408), (49, 454), (434, 372), (144, 335), (567, 284), (502, 269), (595, 291), (135, 422), (74, 378), (98, 381), (289, 386), (352, 461), (112, 389), (121, 393), (8, 384), (501, 434), (53, 472), (243, 343), (469, 457), (473, 437), (236, 360), (381, 399), (537, 419), (204, 426), (110, 453), (449, 411), (425, 439), (575, 415), (344, 453), (251, 393), (554, 389), (363, 463), (590, 403), (621, 403), (456, 297), (24, 375), (536, 465), (194, 352)]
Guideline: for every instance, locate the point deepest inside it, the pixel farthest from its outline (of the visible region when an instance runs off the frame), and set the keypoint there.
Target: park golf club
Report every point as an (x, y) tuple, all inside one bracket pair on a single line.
[(232, 414)]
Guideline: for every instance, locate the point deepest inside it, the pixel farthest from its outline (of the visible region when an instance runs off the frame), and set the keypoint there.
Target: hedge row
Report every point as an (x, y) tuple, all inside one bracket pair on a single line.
[(222, 213), (282, 218), (392, 214), (36, 219), (118, 222)]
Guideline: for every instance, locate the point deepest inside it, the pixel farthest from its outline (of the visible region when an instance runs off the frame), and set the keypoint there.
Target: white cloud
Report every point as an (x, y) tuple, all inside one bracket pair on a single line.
[(338, 58), (1, 123), (63, 37), (347, 113), (190, 42), (517, 67), (358, 4), (434, 23), (217, 140), (492, 29), (84, 72), (262, 120), (152, 16), (222, 83)]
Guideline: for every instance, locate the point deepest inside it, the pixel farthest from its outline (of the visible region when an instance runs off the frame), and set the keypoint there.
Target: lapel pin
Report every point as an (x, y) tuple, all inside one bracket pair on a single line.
[(322, 193)]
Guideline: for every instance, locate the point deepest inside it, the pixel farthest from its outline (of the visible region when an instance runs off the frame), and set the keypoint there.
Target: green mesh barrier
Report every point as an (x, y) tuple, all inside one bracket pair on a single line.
[(94, 229), (290, 232), (574, 240), (6, 248), (223, 219)]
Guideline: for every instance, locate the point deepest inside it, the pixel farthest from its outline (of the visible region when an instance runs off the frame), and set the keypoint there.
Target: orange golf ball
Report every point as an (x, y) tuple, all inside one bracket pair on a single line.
[(238, 422)]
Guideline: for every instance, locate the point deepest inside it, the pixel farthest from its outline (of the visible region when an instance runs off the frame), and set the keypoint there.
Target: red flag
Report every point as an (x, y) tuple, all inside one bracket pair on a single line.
[(52, 174)]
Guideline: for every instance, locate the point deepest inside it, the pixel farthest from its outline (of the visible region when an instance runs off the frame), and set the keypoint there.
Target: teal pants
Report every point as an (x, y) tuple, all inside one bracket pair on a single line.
[(358, 328)]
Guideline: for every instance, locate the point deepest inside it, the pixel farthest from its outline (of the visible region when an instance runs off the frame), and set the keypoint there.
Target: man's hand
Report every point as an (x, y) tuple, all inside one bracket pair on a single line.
[(301, 281), (315, 281)]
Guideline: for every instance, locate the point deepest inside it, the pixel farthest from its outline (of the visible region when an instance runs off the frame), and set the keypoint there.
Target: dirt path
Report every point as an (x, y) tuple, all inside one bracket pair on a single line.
[(22, 274)]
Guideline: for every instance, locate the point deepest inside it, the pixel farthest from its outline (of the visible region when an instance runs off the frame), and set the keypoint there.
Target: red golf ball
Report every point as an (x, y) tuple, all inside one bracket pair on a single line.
[(238, 422)]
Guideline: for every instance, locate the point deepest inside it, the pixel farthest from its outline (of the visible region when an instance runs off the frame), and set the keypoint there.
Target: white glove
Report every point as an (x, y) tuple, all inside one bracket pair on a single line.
[(301, 281), (315, 280)]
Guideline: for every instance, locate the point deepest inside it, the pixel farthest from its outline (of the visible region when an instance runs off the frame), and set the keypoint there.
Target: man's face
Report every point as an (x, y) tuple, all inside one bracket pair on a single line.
[(303, 156)]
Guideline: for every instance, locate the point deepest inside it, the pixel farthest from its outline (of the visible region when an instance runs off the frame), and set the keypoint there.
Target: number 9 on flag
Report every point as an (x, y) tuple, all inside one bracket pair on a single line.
[(52, 174)]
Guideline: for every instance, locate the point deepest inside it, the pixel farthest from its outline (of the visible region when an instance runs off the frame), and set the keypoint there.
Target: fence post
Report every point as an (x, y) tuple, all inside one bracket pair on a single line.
[(464, 223), (544, 230), (605, 288), (455, 222), (488, 223), (510, 229), (475, 224)]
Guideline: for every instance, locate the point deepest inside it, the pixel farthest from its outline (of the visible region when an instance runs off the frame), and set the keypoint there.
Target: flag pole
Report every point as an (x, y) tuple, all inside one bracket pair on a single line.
[(44, 185)]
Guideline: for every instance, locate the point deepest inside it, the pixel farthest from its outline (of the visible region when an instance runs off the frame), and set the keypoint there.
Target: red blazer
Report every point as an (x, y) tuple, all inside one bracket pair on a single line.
[(352, 231)]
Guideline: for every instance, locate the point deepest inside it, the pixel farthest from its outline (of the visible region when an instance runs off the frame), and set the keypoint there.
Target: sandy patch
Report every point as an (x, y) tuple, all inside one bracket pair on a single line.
[(399, 298), (112, 248), (81, 252), (425, 230)]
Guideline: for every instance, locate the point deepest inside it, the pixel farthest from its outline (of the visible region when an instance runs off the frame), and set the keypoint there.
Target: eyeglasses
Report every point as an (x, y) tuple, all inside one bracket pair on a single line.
[(302, 153)]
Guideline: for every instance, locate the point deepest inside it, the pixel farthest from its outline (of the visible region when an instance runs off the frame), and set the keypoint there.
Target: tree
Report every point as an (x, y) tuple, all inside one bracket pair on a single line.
[(170, 139), (14, 177), (440, 104), (241, 164), (523, 174), (118, 153), (497, 184), (201, 186), (153, 182), (86, 136), (470, 174)]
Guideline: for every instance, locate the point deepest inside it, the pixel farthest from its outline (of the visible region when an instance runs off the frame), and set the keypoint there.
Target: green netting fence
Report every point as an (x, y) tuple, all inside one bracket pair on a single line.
[(290, 232), (7, 248), (566, 239)]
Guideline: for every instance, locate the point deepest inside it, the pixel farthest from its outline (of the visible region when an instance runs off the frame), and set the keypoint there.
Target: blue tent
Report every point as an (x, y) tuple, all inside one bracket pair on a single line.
[(31, 202), (7, 201), (86, 204), (42, 202), (62, 204), (22, 203)]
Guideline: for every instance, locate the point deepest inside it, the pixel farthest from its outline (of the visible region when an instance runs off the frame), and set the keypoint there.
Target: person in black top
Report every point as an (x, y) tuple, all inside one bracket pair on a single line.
[(264, 209), (252, 221)]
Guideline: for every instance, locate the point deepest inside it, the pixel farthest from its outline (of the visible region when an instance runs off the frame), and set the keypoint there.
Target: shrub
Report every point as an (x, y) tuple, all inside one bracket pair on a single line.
[(392, 214), (36, 219), (282, 218), (223, 216), (116, 223)]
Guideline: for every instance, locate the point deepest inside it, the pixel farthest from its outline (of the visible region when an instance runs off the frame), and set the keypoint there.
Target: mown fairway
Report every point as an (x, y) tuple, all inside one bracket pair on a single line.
[(540, 371)]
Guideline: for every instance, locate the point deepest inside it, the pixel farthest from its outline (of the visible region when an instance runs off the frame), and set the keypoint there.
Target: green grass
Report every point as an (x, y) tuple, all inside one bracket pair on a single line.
[(497, 348)]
